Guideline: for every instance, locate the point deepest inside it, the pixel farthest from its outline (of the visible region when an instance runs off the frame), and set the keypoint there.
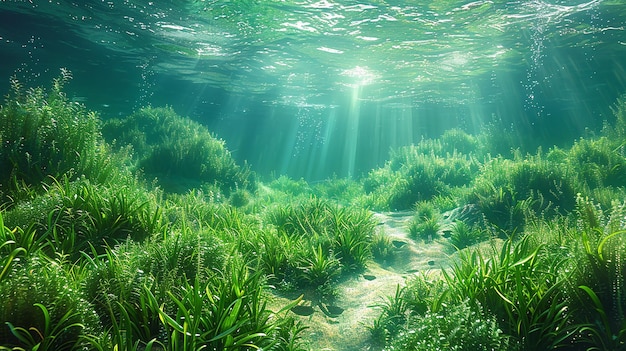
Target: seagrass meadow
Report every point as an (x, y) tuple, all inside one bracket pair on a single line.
[(157, 239), (313, 175)]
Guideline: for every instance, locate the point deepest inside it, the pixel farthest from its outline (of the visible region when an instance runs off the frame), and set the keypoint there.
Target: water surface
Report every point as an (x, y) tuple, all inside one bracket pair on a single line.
[(316, 88)]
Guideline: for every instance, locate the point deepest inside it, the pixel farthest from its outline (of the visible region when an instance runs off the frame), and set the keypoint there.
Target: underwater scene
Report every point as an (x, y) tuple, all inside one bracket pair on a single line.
[(313, 175)]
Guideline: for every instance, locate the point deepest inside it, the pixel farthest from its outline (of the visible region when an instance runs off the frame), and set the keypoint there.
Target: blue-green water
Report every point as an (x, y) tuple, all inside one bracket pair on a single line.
[(316, 88)]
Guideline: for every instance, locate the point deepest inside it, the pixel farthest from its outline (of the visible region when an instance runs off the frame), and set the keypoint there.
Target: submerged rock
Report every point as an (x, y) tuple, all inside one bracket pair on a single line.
[(398, 243), (331, 310), (301, 310), (369, 277), (469, 214)]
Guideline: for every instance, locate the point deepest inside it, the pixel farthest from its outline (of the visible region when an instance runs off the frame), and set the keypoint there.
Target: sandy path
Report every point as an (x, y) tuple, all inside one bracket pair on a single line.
[(358, 296)]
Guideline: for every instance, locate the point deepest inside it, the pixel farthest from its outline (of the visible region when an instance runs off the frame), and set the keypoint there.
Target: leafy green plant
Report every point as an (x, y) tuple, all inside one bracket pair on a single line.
[(47, 338), (598, 163), (498, 138), (275, 253), (227, 313), (181, 154), (603, 333), (304, 219), (239, 198), (199, 210), (456, 140), (320, 241), (425, 224), (393, 316), (352, 236), (424, 292), (509, 191), (383, 250), (424, 212), (45, 135), (15, 243), (341, 190), (318, 268), (117, 279), (284, 189), (42, 307), (457, 327), (413, 174), (617, 130), (521, 286), (463, 235), (598, 278), (73, 215), (421, 294)]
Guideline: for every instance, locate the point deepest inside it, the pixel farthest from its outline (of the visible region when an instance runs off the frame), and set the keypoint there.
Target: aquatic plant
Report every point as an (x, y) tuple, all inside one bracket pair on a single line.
[(425, 210), (43, 308), (411, 176), (458, 141), (508, 191), (114, 283), (352, 230), (598, 163), (200, 210), (225, 313), (616, 131), (303, 218), (290, 187), (427, 229), (72, 215), (383, 250), (315, 242), (457, 327), (318, 268), (421, 294), (463, 235), (598, 278), (239, 198), (180, 153), (275, 252), (426, 222), (393, 316), (606, 196), (522, 286), (115, 280), (341, 190), (45, 136), (425, 291), (498, 139)]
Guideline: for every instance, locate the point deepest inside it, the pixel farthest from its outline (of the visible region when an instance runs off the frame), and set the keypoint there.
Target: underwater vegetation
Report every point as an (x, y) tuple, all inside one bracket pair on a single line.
[(559, 286), (549, 273), (95, 254), (93, 257), (315, 243), (45, 136), (418, 173), (181, 154)]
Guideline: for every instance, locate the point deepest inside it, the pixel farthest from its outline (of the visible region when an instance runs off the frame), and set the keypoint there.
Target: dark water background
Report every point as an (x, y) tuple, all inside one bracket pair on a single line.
[(316, 88)]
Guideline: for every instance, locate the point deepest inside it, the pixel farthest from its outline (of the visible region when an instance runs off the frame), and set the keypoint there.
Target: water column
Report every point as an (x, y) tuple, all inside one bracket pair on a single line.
[(352, 131), (358, 78)]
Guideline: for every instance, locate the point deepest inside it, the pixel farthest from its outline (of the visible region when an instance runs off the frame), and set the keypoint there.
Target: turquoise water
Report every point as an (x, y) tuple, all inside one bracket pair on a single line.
[(316, 88)]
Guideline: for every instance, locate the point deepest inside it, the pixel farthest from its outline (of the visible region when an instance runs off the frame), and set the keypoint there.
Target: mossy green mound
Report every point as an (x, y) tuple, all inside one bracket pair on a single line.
[(181, 154)]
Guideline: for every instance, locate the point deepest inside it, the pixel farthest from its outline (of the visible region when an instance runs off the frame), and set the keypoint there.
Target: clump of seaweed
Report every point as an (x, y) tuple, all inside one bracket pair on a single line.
[(181, 154), (45, 136)]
